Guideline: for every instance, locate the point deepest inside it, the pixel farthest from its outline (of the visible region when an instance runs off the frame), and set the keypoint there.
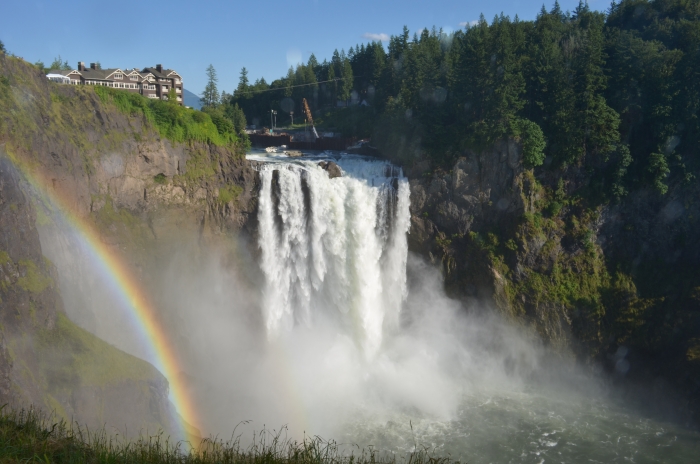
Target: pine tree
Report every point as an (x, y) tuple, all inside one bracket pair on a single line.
[(210, 96), (243, 85)]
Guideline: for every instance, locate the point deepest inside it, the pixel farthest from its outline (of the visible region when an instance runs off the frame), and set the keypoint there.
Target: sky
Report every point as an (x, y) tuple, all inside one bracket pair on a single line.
[(264, 36)]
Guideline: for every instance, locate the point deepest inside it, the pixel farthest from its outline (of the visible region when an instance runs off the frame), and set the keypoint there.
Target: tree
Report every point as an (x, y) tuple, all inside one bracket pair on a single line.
[(289, 82), (243, 84), (210, 96), (2, 47), (58, 63), (172, 96)]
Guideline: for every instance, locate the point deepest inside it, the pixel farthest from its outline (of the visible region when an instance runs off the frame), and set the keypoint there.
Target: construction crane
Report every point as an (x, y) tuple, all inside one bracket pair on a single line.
[(307, 112)]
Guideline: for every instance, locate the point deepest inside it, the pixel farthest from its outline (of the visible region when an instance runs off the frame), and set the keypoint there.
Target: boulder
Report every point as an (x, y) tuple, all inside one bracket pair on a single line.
[(332, 169)]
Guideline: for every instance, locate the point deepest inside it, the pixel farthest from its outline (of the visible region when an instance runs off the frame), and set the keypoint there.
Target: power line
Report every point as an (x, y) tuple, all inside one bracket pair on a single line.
[(300, 85)]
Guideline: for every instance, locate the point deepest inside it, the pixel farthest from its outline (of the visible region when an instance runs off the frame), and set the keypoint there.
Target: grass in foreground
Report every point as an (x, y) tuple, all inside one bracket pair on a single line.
[(30, 436)]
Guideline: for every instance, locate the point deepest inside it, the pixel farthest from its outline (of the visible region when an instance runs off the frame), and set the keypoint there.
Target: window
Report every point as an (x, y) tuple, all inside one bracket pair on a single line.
[(134, 77), (165, 88), (119, 76)]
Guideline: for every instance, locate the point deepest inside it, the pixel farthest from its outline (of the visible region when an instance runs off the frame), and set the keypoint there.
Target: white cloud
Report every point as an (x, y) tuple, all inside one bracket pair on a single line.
[(469, 23), (380, 37)]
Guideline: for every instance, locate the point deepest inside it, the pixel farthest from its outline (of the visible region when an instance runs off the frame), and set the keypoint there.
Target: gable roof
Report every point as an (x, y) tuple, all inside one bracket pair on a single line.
[(117, 70), (99, 74), (165, 74)]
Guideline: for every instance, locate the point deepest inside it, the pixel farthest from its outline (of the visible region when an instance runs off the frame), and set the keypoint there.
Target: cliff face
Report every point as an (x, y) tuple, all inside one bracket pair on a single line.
[(46, 360), (616, 285), (142, 192)]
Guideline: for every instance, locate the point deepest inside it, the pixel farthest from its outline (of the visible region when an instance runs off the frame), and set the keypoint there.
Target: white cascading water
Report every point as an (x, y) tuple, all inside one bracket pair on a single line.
[(334, 248)]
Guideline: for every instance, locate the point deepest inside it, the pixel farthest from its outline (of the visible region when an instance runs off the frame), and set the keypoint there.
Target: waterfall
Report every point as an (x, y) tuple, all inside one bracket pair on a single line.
[(334, 249)]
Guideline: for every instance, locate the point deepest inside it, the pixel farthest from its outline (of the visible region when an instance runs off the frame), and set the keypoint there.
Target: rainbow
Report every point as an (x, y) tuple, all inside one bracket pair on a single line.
[(134, 299)]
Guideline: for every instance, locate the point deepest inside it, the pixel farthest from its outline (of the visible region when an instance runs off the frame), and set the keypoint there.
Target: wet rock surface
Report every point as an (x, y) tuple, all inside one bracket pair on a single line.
[(331, 168)]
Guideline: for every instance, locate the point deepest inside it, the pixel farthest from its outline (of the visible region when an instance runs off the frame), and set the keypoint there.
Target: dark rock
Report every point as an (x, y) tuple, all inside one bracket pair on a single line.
[(331, 168)]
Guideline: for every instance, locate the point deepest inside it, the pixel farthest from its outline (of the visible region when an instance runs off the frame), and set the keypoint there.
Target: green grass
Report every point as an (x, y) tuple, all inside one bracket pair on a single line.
[(29, 436), (33, 280), (70, 356), (229, 193)]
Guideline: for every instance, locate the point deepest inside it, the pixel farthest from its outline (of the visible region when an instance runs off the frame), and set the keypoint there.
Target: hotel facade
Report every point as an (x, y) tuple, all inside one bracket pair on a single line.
[(153, 82)]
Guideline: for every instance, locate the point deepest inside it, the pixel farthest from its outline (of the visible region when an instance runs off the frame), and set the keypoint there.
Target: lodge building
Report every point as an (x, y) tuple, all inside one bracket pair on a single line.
[(150, 82)]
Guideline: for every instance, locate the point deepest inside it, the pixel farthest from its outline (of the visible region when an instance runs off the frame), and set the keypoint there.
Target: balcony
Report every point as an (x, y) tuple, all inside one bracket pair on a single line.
[(178, 90)]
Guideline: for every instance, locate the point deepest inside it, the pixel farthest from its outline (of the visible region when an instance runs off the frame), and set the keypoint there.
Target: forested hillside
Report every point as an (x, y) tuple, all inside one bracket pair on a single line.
[(616, 91)]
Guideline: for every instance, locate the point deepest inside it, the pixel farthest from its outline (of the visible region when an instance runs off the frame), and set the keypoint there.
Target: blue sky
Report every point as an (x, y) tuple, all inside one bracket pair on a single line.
[(264, 36)]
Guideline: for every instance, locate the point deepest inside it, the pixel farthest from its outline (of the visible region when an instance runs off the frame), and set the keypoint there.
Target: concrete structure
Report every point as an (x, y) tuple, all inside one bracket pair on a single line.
[(153, 82)]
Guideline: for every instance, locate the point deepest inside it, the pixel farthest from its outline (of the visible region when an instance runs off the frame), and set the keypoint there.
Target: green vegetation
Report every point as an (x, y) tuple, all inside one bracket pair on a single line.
[(229, 193), (227, 116), (29, 436), (172, 121), (200, 167), (32, 278), (70, 356)]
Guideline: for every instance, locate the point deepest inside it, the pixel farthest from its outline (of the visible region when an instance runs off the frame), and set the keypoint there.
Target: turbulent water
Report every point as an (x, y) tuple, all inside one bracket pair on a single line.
[(334, 248), (411, 367)]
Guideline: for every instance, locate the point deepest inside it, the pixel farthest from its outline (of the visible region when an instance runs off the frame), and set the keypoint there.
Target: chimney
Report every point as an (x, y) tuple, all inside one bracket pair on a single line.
[(93, 65), (81, 66), (159, 68)]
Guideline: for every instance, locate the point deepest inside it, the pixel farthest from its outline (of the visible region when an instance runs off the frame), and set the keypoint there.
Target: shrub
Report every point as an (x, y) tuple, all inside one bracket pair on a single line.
[(172, 121), (532, 138)]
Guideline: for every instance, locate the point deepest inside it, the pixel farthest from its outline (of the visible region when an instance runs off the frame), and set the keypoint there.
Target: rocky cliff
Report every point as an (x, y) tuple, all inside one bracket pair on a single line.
[(142, 191), (46, 361), (617, 285)]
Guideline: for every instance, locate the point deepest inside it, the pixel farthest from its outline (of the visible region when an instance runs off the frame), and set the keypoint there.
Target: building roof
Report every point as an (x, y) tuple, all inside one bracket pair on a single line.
[(99, 74), (165, 73)]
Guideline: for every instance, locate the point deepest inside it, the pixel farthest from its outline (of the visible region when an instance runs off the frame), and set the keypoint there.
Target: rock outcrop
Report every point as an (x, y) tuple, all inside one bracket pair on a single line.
[(331, 168), (594, 281), (47, 361)]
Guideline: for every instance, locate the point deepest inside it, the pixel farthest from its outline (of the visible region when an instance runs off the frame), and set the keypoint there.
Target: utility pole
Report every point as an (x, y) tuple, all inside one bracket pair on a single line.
[(291, 113), (272, 123)]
